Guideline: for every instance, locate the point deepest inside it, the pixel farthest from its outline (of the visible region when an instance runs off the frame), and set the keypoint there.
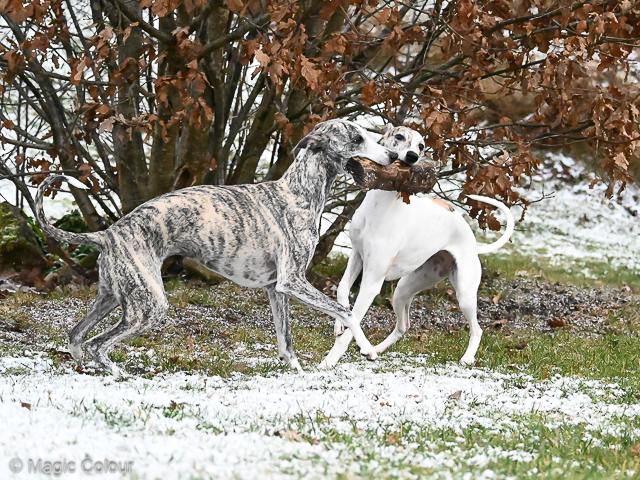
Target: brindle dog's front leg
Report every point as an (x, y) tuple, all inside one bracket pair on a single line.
[(282, 319), (303, 291)]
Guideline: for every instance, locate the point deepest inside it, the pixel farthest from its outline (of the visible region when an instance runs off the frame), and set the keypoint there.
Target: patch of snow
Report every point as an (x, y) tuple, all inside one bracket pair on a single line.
[(578, 223), (55, 208), (185, 426)]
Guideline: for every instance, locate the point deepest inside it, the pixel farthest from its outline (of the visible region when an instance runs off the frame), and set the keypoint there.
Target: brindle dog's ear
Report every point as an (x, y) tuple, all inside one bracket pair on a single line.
[(314, 141)]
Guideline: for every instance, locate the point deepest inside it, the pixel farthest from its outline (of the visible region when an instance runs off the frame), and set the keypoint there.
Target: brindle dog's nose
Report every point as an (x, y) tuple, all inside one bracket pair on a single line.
[(411, 158), (393, 155)]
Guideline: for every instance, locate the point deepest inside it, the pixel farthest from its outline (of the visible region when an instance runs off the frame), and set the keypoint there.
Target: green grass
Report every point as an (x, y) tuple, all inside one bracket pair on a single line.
[(599, 273), (614, 355), (611, 357), (536, 446)]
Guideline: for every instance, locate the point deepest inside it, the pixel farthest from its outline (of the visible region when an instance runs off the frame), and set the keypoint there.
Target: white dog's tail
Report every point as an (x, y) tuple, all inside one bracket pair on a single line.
[(492, 247), (92, 239)]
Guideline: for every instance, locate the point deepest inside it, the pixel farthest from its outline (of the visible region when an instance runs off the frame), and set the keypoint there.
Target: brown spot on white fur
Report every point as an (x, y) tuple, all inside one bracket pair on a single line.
[(443, 262), (443, 204), (393, 260)]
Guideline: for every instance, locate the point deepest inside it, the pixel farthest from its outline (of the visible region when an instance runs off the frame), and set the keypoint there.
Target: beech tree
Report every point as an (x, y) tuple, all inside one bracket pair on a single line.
[(141, 97)]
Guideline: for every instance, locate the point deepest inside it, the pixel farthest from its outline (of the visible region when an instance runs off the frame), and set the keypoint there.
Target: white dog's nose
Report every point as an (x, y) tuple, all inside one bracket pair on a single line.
[(393, 156)]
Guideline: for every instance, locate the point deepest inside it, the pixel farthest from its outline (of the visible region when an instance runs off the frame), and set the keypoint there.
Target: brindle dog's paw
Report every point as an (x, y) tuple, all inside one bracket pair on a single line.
[(77, 353)]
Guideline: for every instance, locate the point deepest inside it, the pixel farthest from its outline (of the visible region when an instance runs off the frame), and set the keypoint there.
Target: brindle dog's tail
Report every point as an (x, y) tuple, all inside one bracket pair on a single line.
[(92, 239)]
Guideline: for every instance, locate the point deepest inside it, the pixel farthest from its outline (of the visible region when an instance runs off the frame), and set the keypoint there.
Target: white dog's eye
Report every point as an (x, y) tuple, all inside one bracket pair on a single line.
[(421, 147), (400, 137)]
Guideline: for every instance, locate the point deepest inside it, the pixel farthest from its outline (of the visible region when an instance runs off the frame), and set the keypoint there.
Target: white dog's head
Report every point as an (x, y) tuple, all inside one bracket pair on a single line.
[(407, 143)]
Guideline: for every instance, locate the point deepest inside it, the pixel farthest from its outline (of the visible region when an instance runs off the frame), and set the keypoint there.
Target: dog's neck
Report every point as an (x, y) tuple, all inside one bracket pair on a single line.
[(310, 179), (385, 198)]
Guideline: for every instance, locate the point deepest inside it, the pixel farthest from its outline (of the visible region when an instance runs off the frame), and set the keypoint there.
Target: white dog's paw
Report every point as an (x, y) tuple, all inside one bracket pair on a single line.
[(369, 355), (328, 363), (295, 364), (467, 360), (338, 328), (324, 365)]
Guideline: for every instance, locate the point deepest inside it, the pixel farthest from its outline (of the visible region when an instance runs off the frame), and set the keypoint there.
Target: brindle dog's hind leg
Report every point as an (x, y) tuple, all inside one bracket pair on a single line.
[(282, 319), (104, 304), (142, 309)]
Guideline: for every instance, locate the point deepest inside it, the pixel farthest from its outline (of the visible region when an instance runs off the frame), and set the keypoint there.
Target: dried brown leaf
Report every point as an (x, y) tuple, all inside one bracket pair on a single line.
[(456, 396), (557, 323), (292, 435), (499, 323)]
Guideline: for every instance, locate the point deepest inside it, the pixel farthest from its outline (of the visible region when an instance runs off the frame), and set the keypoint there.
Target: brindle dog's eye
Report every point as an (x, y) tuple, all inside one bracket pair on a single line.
[(421, 147), (358, 139), (400, 137)]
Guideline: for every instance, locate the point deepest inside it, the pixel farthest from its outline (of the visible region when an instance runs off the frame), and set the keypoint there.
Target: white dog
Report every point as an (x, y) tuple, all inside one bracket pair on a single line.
[(419, 243)]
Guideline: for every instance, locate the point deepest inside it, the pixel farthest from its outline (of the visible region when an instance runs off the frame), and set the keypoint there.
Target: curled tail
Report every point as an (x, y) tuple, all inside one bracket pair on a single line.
[(92, 239), (492, 247)]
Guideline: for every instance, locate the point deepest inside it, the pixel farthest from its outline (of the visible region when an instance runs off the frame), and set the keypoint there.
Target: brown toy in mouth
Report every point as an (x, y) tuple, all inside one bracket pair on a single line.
[(398, 176)]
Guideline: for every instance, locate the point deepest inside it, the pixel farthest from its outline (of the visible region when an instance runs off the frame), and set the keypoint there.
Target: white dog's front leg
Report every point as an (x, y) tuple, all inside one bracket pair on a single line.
[(343, 299), (370, 287), (303, 291), (354, 267), (339, 348), (366, 349)]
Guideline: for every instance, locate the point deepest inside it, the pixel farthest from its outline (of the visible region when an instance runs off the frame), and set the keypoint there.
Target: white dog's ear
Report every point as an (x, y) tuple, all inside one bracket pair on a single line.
[(387, 129), (314, 141)]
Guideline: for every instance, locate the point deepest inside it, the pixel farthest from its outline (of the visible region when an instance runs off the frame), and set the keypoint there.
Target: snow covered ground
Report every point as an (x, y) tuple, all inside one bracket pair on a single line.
[(577, 224), (312, 425), (56, 208)]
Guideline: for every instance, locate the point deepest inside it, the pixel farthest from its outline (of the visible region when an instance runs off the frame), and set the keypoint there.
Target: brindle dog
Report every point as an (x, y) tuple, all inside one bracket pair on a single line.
[(260, 235)]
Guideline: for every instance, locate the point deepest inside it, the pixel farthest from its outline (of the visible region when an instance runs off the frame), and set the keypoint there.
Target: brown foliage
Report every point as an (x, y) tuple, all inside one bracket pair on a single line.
[(145, 97)]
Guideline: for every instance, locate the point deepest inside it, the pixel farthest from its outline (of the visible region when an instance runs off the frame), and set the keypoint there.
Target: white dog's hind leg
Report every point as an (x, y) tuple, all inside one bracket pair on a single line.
[(466, 280), (424, 277), (354, 267)]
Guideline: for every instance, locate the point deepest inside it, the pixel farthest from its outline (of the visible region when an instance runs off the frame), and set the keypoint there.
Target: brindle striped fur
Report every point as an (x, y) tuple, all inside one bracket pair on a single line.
[(260, 235)]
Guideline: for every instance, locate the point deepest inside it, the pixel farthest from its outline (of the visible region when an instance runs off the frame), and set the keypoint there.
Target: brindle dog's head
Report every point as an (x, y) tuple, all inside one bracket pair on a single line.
[(341, 140), (407, 143)]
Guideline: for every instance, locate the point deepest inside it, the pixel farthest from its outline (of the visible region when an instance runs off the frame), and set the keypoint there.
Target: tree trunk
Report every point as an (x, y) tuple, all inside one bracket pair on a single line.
[(128, 146)]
